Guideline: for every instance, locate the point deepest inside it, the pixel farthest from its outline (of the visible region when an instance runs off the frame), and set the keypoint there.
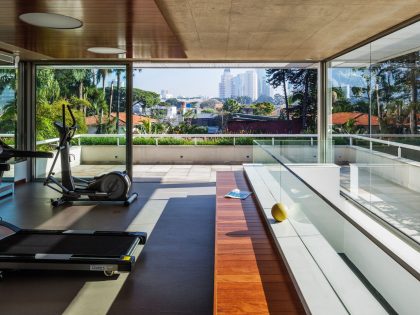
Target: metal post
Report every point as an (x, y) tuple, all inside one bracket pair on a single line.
[(234, 141), (399, 152), (324, 109), (129, 120)]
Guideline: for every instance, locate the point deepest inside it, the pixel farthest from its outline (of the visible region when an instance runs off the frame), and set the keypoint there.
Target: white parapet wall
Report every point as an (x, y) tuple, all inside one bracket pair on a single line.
[(43, 166), (168, 154)]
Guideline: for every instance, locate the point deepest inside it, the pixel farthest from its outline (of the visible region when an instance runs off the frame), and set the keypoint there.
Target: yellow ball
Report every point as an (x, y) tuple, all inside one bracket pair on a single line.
[(279, 212)]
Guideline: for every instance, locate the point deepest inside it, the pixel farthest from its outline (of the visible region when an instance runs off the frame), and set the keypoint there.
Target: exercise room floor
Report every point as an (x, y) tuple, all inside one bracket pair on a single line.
[(174, 274)]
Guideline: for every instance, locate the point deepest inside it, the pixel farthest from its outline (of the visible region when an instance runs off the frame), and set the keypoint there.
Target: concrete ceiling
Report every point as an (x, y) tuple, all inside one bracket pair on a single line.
[(282, 30), (202, 30)]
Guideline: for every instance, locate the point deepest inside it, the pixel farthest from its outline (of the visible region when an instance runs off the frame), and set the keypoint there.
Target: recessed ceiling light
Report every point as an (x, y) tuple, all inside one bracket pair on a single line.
[(309, 59), (50, 20), (106, 50)]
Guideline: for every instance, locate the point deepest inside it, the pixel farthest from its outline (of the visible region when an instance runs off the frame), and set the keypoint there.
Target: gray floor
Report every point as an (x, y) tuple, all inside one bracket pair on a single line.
[(174, 272), (394, 203)]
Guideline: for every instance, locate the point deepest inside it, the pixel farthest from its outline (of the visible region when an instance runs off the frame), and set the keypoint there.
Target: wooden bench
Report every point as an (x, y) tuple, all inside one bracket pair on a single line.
[(250, 277)]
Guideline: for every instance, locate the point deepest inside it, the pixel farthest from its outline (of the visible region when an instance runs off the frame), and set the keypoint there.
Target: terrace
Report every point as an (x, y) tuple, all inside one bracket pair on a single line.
[(316, 110)]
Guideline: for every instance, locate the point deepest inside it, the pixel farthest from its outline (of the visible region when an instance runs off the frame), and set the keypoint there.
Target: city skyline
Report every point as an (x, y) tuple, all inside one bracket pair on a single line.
[(184, 82)]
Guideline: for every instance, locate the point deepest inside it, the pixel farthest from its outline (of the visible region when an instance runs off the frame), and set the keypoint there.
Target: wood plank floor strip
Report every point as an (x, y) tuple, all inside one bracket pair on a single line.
[(250, 277)]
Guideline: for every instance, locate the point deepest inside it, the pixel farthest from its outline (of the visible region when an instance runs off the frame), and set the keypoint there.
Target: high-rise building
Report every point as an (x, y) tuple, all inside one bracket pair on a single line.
[(251, 85), (225, 85), (263, 87), (164, 95), (245, 84)]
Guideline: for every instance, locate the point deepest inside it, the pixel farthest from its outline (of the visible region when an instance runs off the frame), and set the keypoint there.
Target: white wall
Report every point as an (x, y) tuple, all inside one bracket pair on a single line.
[(168, 154)]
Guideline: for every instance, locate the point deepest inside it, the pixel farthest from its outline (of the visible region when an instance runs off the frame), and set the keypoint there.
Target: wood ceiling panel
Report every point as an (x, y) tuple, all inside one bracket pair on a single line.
[(134, 25), (202, 30), (292, 30)]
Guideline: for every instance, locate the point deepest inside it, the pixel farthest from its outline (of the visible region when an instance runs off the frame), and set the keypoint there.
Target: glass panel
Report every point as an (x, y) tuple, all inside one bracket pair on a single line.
[(374, 92), (319, 223), (8, 110), (211, 115), (96, 96)]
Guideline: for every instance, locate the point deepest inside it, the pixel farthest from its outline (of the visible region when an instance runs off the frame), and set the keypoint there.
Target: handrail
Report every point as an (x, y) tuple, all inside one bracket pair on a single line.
[(369, 138)]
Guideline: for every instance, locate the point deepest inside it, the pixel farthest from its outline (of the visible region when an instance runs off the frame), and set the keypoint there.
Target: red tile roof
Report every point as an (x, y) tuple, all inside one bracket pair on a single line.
[(361, 119), (137, 120)]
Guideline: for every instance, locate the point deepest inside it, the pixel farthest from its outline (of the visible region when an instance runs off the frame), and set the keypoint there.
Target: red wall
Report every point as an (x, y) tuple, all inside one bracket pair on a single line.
[(279, 126)]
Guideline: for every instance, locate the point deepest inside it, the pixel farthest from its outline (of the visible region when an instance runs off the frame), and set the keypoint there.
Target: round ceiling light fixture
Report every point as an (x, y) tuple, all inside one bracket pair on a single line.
[(50, 20), (106, 50)]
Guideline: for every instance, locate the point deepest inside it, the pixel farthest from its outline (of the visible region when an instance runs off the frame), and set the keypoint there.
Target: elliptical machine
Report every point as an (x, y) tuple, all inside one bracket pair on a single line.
[(113, 186)]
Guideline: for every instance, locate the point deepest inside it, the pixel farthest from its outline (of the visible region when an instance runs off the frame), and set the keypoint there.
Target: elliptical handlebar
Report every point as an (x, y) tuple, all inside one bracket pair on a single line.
[(68, 131)]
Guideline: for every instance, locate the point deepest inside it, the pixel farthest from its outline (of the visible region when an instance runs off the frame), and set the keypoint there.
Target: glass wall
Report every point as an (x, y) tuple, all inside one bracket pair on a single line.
[(97, 98), (8, 108), (182, 113), (375, 116)]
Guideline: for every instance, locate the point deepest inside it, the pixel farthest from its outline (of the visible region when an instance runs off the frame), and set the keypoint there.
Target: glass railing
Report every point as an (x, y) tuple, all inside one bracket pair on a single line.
[(342, 249), (382, 175)]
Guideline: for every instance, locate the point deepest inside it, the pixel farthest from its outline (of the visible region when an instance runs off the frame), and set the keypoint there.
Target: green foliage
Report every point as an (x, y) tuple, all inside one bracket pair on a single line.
[(265, 99), (304, 92), (166, 141), (147, 98), (208, 103), (263, 109), (47, 114), (8, 119), (184, 128), (246, 100), (47, 87), (7, 79), (208, 111), (232, 106), (172, 101)]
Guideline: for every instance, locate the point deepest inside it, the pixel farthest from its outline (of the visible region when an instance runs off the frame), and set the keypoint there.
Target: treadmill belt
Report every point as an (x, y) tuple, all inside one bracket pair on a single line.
[(84, 245)]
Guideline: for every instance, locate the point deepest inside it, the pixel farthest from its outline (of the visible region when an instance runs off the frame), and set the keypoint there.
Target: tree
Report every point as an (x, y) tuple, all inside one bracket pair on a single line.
[(232, 106), (208, 110), (279, 77), (146, 98), (48, 113), (172, 101), (7, 79), (303, 84), (118, 73), (245, 100), (99, 106), (208, 103), (79, 76), (278, 99), (265, 99), (48, 89), (8, 112), (263, 109)]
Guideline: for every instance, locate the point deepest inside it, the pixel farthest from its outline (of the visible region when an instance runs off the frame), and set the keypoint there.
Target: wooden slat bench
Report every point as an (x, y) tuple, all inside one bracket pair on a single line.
[(250, 277)]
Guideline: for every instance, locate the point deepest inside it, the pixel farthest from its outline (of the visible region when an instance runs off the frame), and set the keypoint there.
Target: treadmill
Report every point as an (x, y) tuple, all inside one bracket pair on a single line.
[(104, 251)]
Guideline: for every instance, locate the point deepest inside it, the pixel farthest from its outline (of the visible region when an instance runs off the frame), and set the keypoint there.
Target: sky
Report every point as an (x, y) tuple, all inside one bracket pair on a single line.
[(182, 82)]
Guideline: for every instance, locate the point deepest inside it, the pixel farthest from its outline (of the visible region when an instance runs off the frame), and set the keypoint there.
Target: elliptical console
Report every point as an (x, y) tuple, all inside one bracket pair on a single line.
[(113, 186)]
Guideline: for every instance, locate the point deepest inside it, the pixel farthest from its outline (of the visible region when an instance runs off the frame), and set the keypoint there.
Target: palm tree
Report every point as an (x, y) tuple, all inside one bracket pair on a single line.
[(80, 75), (118, 73), (97, 99)]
